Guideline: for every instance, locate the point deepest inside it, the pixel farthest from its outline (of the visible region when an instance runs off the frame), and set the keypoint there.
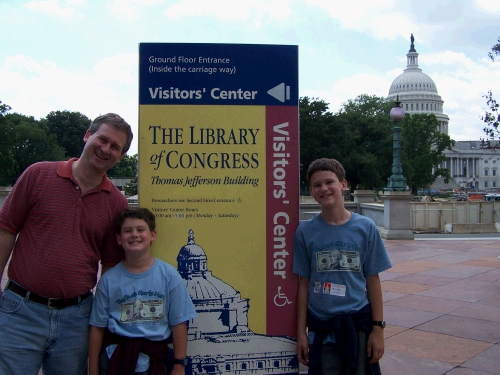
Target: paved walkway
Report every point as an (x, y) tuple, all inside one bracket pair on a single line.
[(442, 307)]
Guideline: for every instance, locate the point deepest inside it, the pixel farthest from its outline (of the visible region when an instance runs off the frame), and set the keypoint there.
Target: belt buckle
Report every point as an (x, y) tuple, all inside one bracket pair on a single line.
[(52, 300)]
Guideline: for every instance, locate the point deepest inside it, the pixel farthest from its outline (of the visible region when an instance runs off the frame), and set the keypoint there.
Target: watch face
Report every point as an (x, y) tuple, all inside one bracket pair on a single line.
[(380, 323)]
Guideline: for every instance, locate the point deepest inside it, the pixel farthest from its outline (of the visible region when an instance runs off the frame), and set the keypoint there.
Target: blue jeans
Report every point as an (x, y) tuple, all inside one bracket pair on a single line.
[(32, 336)]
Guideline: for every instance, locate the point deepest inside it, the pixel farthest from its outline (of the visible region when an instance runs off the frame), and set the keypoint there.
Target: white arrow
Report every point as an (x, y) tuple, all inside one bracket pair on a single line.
[(278, 92)]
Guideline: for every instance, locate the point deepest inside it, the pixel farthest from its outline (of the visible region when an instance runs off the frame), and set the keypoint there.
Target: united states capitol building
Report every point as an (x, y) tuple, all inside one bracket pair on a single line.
[(472, 164)]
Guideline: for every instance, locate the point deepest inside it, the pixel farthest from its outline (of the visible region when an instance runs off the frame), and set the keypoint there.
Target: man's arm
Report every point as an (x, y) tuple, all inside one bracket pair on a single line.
[(302, 341), (7, 240), (375, 347), (179, 338), (95, 344)]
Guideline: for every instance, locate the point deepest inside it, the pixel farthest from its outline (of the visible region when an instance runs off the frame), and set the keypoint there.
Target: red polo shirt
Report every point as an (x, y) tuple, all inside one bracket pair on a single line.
[(62, 233)]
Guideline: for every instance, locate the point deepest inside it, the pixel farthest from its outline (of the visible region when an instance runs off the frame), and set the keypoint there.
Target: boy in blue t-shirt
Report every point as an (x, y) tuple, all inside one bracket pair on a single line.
[(338, 256), (138, 305)]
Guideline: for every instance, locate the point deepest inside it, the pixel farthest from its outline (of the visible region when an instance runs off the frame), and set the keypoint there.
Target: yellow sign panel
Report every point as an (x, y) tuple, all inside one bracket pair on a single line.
[(202, 168)]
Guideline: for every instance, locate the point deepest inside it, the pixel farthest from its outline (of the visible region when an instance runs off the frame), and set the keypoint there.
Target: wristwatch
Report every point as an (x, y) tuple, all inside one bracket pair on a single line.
[(182, 361), (380, 323)]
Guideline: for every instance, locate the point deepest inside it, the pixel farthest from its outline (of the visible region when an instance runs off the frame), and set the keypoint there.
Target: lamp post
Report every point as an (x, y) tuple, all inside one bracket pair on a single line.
[(397, 182)]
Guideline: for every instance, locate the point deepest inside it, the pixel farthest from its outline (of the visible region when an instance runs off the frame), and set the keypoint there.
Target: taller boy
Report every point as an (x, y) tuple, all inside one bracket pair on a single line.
[(63, 215), (338, 256)]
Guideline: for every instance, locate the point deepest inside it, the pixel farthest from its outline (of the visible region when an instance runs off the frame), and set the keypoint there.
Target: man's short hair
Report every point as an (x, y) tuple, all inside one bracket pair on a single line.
[(118, 123), (325, 164), (135, 213)]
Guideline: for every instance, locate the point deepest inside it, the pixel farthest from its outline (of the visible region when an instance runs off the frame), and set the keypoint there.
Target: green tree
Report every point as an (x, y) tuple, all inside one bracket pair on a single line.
[(422, 150), (69, 129), (4, 108), (126, 168), (8, 164), (495, 50), (25, 141), (491, 116), (130, 188), (315, 125), (365, 146)]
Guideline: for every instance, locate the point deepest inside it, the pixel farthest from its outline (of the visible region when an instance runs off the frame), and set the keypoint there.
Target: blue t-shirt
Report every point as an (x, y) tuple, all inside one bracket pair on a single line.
[(337, 259), (143, 304)]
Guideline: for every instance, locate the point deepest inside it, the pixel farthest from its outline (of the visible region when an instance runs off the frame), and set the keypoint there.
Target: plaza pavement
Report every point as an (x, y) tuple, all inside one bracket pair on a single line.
[(442, 306)]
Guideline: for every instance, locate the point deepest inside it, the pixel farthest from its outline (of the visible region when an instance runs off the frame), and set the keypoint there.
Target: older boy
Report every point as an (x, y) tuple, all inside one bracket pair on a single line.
[(338, 256), (139, 303)]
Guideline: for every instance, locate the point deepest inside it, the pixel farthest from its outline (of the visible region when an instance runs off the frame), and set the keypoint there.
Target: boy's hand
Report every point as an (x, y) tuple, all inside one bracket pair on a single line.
[(375, 346), (303, 349)]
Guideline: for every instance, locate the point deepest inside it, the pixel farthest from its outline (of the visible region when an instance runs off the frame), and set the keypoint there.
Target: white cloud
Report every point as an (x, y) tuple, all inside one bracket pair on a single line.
[(350, 87), (131, 9), (256, 10), (489, 5), (110, 86), (460, 80), (63, 9), (377, 18)]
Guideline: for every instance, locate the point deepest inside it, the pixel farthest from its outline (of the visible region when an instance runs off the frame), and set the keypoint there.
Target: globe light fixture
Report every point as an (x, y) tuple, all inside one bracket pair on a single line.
[(397, 182)]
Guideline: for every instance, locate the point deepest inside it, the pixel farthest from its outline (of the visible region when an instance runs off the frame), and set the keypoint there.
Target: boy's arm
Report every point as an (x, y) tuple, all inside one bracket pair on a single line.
[(302, 341), (179, 338), (95, 343), (375, 347)]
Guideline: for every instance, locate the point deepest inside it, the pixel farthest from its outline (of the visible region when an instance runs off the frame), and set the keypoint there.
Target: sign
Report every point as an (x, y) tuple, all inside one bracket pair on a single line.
[(219, 165)]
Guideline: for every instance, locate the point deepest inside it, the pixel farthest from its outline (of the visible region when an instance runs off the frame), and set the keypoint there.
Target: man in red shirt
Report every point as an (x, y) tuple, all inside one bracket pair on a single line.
[(57, 223)]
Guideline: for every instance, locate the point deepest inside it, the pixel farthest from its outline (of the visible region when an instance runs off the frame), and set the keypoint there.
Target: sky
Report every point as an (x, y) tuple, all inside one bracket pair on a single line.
[(82, 55)]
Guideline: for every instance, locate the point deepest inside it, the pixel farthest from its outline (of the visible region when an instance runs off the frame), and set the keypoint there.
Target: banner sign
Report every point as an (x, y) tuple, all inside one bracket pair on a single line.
[(219, 167)]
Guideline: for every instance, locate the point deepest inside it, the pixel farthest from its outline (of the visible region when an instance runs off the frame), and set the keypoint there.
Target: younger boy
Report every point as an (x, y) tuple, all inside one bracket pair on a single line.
[(138, 304), (338, 256)]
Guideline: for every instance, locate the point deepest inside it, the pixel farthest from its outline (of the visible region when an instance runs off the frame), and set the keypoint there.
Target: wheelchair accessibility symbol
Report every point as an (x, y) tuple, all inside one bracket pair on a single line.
[(281, 299)]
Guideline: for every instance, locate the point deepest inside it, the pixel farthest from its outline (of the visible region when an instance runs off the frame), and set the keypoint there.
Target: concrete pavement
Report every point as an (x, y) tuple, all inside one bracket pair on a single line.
[(442, 306)]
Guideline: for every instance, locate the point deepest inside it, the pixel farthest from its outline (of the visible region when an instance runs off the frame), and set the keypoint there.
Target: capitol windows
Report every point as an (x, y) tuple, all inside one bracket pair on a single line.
[(406, 106), (486, 172), (485, 184), (493, 172), (412, 106), (494, 184), (426, 106)]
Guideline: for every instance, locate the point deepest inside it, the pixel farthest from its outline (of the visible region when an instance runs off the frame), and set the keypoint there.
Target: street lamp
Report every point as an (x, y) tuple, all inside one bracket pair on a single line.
[(397, 182)]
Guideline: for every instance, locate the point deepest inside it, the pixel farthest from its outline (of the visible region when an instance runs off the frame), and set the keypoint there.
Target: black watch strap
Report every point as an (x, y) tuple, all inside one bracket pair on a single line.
[(182, 361), (380, 323)]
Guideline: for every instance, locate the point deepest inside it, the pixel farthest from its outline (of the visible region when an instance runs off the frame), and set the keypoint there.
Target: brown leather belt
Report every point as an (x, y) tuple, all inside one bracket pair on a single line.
[(51, 303)]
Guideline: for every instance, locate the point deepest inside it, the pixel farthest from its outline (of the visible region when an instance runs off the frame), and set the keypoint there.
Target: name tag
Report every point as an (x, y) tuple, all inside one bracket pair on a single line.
[(334, 289)]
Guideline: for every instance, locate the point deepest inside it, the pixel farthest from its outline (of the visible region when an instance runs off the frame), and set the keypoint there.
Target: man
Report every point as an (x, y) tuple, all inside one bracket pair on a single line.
[(57, 223)]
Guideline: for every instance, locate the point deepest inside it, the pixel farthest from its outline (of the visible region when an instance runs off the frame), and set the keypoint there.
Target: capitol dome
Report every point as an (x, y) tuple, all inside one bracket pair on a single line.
[(417, 91), (413, 81)]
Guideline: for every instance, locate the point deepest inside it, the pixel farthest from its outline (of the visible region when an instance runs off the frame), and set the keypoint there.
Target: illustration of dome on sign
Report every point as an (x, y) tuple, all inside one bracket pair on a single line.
[(220, 341), (417, 91)]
